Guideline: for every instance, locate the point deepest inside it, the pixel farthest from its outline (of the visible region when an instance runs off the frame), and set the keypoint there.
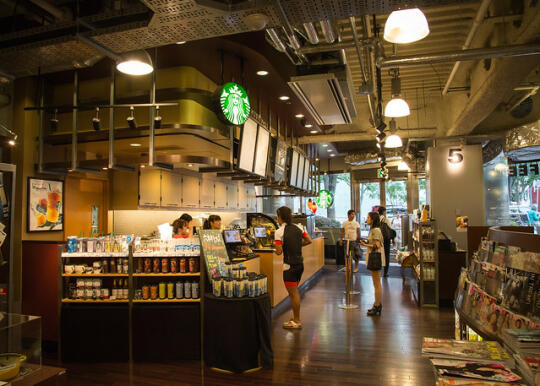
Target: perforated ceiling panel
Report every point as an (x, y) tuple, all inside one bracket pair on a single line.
[(186, 20)]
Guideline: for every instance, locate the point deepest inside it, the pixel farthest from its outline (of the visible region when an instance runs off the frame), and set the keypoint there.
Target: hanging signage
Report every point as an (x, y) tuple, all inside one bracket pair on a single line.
[(234, 103), (325, 199), (522, 170), (214, 251)]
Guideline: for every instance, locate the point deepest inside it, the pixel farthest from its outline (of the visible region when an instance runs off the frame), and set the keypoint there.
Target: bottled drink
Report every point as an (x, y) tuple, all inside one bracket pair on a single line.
[(115, 290)]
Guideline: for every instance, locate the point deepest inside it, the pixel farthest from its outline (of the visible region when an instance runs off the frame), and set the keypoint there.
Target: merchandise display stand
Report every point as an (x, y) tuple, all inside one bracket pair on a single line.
[(426, 248), (130, 325), (492, 292)]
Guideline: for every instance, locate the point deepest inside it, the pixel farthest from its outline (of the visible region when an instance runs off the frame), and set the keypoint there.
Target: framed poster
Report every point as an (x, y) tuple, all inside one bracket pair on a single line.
[(45, 206)]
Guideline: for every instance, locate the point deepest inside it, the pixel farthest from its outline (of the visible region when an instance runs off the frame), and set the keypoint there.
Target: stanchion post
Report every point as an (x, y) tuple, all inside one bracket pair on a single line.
[(348, 281)]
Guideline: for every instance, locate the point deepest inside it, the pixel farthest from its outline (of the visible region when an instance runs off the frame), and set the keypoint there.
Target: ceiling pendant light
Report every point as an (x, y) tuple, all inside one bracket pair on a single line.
[(393, 140), (96, 123), (406, 26), (135, 63), (132, 123), (397, 107), (402, 166)]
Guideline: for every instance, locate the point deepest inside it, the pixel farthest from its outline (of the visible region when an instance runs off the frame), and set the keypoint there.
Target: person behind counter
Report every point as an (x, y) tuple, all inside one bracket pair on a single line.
[(290, 238), (213, 222), (189, 223), (180, 229)]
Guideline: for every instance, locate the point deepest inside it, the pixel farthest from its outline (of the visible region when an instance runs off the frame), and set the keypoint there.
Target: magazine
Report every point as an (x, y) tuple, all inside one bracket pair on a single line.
[(474, 369), (515, 290), (449, 381), (457, 349), (499, 255)]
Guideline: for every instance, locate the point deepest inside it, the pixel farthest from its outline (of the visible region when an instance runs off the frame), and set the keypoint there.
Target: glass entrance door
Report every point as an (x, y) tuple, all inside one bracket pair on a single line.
[(370, 196), (396, 205)]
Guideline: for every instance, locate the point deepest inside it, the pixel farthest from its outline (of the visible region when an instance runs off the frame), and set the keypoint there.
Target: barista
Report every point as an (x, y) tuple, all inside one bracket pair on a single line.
[(213, 222)]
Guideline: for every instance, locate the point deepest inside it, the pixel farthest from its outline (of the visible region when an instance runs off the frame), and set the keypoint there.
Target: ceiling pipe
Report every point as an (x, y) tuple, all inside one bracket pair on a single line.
[(58, 13), (98, 47), (311, 33), (364, 135), (364, 75), (480, 16), (328, 31), (334, 47), (276, 40), (290, 30), (453, 56)]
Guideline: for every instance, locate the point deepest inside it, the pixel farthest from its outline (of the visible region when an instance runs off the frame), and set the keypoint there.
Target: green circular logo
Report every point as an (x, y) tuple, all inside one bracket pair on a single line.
[(325, 199), (234, 103)]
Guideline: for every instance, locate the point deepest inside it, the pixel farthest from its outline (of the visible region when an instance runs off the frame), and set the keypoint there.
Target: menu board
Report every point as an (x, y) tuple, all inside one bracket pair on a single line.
[(281, 161), (214, 251), (300, 175), (261, 155), (247, 145), (305, 184), (294, 168)]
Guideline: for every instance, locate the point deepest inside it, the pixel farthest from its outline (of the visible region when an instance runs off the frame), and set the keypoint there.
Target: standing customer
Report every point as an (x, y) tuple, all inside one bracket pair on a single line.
[(374, 244), (290, 238), (389, 235), (351, 230)]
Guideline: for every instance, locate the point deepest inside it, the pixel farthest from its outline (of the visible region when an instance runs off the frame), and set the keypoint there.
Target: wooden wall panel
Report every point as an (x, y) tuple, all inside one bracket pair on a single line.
[(81, 194)]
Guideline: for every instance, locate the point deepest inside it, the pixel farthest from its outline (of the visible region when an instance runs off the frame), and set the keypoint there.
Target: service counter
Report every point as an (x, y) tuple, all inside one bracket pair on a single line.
[(271, 265)]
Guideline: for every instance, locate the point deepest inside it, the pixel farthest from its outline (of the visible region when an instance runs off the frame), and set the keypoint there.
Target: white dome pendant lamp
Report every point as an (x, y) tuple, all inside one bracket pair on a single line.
[(406, 26), (397, 107)]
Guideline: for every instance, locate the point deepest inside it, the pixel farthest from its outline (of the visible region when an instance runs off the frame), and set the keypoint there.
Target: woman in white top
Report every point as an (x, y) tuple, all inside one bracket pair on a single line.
[(375, 242)]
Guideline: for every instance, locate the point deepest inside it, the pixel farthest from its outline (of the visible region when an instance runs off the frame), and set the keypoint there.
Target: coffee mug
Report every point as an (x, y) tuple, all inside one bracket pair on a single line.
[(97, 267), (69, 268), (79, 269)]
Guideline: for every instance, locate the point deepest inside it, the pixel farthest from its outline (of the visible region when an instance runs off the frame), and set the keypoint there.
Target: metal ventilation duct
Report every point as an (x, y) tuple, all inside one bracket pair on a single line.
[(328, 97), (523, 143)]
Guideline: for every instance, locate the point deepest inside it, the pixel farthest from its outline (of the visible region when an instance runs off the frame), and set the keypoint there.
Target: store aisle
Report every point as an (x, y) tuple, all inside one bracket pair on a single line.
[(335, 347)]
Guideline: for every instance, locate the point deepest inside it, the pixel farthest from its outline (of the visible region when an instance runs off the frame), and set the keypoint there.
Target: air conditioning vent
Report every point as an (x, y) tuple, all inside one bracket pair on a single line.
[(328, 97)]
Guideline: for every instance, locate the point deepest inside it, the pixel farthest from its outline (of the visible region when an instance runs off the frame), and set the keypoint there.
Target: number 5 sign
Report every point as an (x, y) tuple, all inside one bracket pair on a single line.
[(455, 156)]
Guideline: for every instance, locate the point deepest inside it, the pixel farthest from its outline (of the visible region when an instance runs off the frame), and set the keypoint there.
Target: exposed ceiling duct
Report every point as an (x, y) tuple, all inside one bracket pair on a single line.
[(523, 143), (311, 33), (328, 97)]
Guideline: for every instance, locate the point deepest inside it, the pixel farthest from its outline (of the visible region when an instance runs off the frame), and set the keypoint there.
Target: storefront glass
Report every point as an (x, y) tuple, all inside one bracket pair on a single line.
[(421, 191), (370, 196), (396, 204), (524, 194), (496, 188), (339, 185)]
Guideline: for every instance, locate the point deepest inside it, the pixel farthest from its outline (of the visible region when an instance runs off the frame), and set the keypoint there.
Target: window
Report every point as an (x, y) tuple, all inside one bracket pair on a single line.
[(340, 186), (421, 191)]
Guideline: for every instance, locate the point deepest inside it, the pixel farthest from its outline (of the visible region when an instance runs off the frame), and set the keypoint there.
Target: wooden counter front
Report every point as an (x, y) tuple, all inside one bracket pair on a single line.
[(272, 267)]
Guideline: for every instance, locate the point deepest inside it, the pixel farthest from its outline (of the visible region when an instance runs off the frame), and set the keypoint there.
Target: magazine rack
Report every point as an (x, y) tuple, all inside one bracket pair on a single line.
[(475, 297), (426, 272)]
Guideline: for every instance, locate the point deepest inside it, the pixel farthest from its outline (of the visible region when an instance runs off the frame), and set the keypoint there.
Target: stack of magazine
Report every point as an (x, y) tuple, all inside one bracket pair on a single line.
[(470, 363), (526, 344)]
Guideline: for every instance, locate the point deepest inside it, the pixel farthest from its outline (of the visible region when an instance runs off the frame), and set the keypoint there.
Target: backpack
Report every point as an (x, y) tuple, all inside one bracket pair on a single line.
[(387, 232)]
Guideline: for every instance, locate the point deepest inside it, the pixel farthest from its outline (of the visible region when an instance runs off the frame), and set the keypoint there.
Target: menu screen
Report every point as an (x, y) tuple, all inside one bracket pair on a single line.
[(261, 155), (281, 161), (247, 146), (305, 184), (294, 168), (300, 175), (232, 236), (260, 232)]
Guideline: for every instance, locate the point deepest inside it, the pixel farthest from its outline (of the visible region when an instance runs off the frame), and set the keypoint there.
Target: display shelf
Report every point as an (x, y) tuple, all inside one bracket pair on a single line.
[(166, 300), (95, 255), (88, 301), (95, 275), (424, 235), (188, 274), (162, 254)]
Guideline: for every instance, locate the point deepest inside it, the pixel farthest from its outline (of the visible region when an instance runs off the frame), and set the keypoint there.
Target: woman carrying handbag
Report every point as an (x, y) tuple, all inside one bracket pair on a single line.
[(375, 259)]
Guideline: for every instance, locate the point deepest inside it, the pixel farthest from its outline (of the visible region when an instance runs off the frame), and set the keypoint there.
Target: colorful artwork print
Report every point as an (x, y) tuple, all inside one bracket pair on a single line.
[(45, 205)]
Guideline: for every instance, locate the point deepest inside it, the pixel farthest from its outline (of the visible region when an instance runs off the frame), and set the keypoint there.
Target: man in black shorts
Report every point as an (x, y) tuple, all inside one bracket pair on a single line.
[(289, 239)]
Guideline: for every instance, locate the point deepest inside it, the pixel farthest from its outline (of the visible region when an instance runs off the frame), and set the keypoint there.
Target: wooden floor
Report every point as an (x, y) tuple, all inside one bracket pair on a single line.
[(335, 347)]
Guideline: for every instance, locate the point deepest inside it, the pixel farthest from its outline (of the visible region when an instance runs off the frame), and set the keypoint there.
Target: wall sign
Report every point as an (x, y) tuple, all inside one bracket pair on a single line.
[(312, 206), (45, 206), (234, 103), (455, 156), (522, 170), (325, 199), (214, 251)]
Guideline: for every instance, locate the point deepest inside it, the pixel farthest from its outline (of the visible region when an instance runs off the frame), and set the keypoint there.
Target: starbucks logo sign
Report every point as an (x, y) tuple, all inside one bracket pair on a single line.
[(325, 199), (234, 103)]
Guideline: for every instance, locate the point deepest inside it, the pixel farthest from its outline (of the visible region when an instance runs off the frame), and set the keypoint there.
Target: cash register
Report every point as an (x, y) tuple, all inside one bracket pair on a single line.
[(237, 246)]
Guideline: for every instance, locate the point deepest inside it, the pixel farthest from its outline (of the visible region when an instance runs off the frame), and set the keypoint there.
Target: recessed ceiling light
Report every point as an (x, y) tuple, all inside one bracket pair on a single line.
[(135, 144), (332, 155), (299, 116), (142, 166), (325, 145), (104, 168), (190, 165), (181, 42), (284, 98), (317, 159), (262, 73), (329, 150), (313, 131), (309, 125)]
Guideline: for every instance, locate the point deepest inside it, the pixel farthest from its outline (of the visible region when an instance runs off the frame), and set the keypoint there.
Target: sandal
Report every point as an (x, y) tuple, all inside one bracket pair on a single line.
[(292, 325)]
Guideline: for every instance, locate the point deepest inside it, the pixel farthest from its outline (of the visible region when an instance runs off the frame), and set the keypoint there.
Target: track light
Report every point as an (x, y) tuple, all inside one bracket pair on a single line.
[(380, 137), (54, 121), (381, 127), (383, 164), (396, 107), (132, 123), (157, 119), (135, 63), (96, 123), (406, 26)]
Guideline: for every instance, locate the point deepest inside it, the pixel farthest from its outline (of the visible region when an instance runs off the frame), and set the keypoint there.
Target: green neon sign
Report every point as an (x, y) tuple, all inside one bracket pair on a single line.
[(325, 199), (234, 103)]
